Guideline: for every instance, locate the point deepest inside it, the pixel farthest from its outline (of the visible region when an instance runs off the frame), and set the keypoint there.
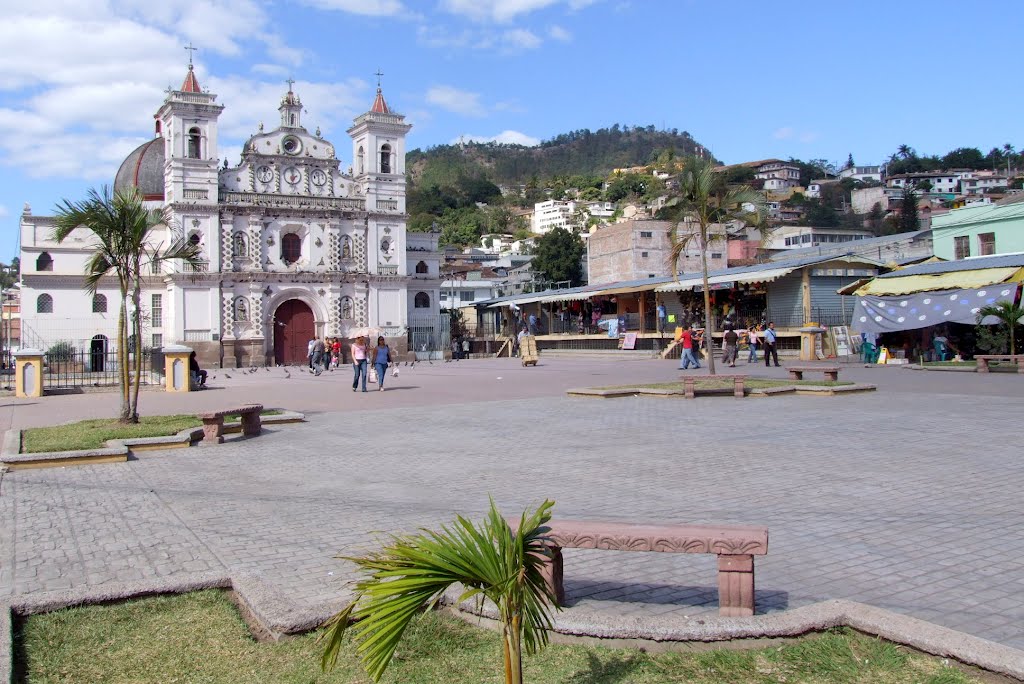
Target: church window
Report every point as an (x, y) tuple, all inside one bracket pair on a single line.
[(385, 246), (359, 161), (156, 311), (291, 248), (44, 262), (194, 239), (346, 247), (44, 303), (346, 308), (385, 159), (422, 267), (194, 138), (240, 250), (241, 310), (422, 301), (99, 303)]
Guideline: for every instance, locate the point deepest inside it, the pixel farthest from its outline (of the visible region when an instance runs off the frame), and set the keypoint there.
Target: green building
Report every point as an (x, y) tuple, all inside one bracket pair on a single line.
[(981, 230)]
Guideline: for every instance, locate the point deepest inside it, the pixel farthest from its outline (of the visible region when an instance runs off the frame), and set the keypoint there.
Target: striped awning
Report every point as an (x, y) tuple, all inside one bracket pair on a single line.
[(761, 276)]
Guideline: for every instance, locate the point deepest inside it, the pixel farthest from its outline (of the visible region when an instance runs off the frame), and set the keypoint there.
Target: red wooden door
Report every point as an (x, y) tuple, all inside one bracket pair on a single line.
[(293, 329)]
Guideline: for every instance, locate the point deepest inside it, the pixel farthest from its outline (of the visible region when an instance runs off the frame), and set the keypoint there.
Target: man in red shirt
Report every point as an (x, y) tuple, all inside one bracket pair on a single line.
[(687, 358)]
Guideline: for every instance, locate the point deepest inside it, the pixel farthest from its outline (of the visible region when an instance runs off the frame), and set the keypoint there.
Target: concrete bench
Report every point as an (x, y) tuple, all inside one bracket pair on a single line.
[(735, 547), (689, 381), (797, 372), (213, 422), (982, 361)]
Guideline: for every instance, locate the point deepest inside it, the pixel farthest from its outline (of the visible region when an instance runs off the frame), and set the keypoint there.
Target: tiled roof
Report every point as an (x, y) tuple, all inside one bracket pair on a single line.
[(971, 264), (379, 105), (191, 84)]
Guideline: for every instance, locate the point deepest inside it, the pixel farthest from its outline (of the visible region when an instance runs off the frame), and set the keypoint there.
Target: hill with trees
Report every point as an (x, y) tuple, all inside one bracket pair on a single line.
[(578, 153)]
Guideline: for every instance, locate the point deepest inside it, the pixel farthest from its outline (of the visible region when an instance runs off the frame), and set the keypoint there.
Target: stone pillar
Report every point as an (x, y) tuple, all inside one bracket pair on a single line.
[(735, 585), (809, 342), (176, 374), (28, 373)]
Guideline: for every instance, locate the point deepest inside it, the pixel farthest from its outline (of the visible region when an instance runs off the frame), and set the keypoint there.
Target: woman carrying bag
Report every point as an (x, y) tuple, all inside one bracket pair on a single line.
[(381, 359)]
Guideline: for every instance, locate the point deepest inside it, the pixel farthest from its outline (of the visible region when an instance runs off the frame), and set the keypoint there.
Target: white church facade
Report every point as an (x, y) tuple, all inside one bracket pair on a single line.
[(291, 245)]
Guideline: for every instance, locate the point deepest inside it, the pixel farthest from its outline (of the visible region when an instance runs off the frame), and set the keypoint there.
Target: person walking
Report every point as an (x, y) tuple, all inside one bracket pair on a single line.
[(335, 352), (317, 363), (731, 340), (687, 357), (309, 352), (358, 351), (381, 359), (752, 343), (770, 340)]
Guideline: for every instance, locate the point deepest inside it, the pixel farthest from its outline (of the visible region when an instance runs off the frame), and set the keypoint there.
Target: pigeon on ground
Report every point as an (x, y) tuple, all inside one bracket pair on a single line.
[(287, 375), (266, 368), (227, 376)]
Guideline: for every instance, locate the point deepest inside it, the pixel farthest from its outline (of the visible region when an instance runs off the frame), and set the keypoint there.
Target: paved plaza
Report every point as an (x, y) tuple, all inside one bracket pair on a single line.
[(907, 498)]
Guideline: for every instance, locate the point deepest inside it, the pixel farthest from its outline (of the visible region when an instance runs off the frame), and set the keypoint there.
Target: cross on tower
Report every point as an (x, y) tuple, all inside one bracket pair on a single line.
[(290, 82), (378, 74), (190, 51)]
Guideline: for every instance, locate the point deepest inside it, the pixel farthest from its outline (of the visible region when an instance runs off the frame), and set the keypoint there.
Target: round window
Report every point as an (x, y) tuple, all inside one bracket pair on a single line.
[(291, 145)]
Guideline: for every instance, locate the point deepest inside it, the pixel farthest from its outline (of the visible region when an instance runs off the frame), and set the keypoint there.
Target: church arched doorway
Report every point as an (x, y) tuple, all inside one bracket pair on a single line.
[(293, 329), (98, 353)]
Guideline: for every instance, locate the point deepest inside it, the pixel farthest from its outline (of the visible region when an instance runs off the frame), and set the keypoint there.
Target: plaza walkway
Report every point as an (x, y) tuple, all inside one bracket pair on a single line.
[(907, 499)]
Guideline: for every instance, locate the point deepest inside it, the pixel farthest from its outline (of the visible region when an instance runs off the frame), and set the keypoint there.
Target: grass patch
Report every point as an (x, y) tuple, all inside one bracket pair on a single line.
[(200, 637), (709, 382), (93, 434)]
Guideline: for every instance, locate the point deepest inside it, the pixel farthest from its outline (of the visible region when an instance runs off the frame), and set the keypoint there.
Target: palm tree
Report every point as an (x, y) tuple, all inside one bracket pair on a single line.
[(411, 573), (704, 199), (1009, 314), (1008, 152), (122, 227), (905, 151)]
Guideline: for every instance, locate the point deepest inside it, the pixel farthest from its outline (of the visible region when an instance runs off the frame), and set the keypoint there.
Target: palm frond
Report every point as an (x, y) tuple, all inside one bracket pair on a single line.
[(412, 572)]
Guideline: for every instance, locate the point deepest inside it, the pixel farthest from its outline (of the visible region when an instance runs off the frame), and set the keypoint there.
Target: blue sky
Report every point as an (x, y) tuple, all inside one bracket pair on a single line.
[(81, 79)]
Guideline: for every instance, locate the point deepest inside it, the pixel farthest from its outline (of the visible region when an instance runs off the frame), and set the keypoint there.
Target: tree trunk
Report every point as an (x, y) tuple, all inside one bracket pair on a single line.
[(137, 367), (709, 339), (122, 356)]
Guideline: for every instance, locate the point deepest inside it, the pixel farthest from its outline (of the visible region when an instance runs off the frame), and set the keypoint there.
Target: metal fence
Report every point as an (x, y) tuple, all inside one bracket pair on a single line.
[(429, 336), (69, 368)]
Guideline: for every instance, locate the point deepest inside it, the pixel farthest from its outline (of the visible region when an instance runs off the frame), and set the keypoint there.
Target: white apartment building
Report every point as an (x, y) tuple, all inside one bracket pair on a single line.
[(562, 214), (941, 181), (862, 173), (778, 175), (794, 237)]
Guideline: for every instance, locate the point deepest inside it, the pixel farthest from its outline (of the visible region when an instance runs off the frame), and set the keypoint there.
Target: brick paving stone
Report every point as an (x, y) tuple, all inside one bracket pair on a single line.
[(894, 498)]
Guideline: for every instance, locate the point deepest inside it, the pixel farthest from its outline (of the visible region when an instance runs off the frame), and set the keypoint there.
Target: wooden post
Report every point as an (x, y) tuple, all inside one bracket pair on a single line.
[(805, 292)]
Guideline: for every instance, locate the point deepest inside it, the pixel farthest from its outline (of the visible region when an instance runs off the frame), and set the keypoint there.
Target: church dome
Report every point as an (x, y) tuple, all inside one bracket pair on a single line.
[(143, 169)]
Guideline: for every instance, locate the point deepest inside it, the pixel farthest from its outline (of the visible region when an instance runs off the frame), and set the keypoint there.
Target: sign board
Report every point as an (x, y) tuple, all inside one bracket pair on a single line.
[(716, 286), (629, 341), (841, 335)]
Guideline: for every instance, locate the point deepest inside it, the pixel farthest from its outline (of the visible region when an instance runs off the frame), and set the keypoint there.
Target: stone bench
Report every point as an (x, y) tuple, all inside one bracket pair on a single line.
[(797, 372), (213, 422), (982, 361), (735, 547), (689, 382)]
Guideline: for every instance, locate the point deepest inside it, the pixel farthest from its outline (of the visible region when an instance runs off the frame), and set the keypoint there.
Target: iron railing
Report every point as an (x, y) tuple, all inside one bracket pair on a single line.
[(70, 368)]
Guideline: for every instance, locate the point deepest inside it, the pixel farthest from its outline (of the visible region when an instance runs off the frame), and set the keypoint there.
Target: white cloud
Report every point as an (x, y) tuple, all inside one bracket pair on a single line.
[(498, 10), (791, 133), (3, 211), (558, 33), (371, 8), (520, 39), (456, 101), (505, 138), (270, 69)]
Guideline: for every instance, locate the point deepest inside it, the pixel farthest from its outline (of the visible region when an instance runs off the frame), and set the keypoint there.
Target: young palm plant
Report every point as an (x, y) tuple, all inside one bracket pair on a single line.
[(122, 227), (704, 200), (411, 573), (1009, 314)]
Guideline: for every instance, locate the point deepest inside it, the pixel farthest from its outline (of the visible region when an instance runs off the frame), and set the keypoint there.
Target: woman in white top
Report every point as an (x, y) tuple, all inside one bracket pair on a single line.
[(358, 362), (752, 341)]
